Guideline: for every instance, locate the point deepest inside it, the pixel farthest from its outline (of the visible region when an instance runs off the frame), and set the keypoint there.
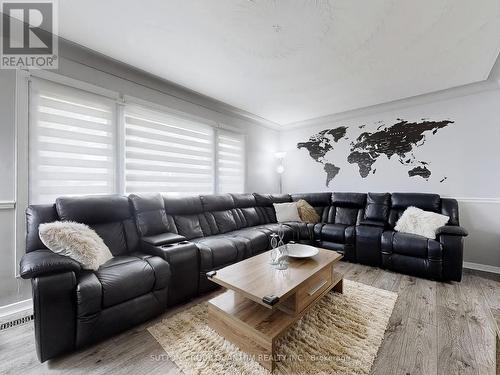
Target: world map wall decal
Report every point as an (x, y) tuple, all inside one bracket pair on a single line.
[(398, 140)]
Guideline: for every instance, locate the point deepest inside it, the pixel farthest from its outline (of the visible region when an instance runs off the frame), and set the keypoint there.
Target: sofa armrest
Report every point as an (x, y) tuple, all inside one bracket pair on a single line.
[(54, 308), (452, 230), (163, 239), (368, 244), (170, 251), (451, 238), (183, 259), (43, 262), (453, 250)]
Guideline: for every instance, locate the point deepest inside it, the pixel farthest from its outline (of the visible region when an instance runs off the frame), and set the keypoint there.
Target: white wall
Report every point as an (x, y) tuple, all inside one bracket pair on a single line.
[(467, 152), (83, 65), (11, 289)]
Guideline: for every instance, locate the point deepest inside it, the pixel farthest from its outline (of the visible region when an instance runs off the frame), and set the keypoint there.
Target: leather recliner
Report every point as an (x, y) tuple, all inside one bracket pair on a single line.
[(337, 232), (75, 307), (439, 258)]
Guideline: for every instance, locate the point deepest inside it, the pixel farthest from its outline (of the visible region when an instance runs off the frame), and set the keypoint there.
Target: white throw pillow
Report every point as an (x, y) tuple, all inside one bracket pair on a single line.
[(286, 212), (417, 221), (76, 241)]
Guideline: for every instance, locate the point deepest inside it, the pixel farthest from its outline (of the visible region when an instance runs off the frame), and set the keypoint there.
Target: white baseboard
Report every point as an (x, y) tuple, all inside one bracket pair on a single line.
[(482, 267), (16, 307)]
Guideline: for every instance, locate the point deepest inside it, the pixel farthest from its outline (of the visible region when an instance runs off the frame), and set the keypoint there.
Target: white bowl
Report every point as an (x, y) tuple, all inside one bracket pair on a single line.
[(296, 250)]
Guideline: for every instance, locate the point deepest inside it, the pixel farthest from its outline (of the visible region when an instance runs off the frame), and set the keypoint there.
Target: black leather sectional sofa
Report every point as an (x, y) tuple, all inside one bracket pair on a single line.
[(164, 246)]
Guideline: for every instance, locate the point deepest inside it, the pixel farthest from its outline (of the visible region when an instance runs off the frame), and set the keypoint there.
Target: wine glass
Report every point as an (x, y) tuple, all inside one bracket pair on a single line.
[(281, 234), (282, 259), (274, 252)]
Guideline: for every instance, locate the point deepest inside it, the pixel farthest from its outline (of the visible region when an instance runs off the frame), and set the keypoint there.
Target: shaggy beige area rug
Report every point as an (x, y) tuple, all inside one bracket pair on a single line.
[(341, 334)]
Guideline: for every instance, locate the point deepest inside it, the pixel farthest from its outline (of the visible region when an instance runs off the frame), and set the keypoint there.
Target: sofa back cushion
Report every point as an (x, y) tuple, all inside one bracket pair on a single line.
[(188, 216), (401, 201), (150, 215), (265, 207), (108, 215), (189, 226), (245, 211), (378, 206), (219, 211), (347, 208), (320, 202), (36, 215)]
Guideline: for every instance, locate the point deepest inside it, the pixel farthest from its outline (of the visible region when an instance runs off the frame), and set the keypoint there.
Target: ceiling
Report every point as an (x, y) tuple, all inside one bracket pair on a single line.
[(292, 60)]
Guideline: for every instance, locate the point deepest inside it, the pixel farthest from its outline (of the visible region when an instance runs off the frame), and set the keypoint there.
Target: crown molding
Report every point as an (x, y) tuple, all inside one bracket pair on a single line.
[(495, 71), (455, 92)]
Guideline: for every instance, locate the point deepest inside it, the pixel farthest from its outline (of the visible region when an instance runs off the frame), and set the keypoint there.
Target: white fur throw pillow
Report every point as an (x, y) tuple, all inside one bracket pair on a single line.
[(417, 221), (286, 212), (76, 241)]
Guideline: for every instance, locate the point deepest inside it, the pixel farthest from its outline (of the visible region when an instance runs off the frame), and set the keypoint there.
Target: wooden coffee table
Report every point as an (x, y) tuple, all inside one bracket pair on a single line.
[(262, 303)]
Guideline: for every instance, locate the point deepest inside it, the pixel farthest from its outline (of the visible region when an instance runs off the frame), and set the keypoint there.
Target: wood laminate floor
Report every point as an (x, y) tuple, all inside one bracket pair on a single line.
[(435, 328)]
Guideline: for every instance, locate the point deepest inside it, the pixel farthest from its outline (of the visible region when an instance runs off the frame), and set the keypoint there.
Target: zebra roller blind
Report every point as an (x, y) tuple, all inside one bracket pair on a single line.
[(230, 162), (166, 153), (72, 142)]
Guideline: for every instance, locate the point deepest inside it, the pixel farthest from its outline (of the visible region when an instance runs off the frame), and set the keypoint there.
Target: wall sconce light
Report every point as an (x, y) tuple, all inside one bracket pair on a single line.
[(280, 169), (280, 155)]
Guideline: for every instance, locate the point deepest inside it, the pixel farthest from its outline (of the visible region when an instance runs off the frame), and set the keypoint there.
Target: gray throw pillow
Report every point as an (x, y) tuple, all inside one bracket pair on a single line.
[(77, 241)]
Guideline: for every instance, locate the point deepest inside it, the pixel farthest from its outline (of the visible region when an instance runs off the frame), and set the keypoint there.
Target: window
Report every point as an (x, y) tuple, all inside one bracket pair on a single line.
[(82, 143), (71, 143), (230, 162), (165, 153)]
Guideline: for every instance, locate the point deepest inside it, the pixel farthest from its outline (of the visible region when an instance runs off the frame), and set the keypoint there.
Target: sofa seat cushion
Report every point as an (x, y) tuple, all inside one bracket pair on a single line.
[(302, 232), (219, 250), (338, 233), (257, 241), (411, 245), (125, 277), (270, 228)]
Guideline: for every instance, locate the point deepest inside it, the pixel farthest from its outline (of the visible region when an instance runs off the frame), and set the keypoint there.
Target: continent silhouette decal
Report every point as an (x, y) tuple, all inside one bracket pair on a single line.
[(398, 140)]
